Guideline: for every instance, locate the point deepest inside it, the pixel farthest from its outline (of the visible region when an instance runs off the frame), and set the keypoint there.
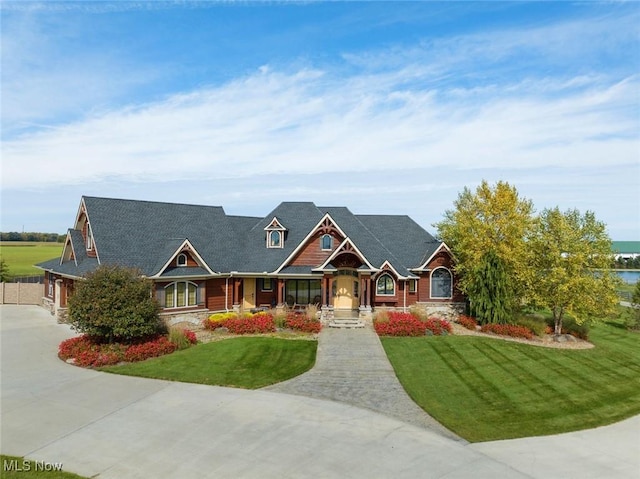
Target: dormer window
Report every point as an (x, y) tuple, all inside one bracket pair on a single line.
[(89, 238), (275, 239), (327, 242), (182, 259), (275, 234)]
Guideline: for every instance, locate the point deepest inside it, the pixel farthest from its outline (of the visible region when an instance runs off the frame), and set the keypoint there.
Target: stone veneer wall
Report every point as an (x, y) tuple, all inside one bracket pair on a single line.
[(192, 317)]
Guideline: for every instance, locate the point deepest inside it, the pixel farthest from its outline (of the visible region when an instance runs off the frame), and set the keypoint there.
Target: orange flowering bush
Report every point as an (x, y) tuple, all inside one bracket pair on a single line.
[(507, 330), (468, 322)]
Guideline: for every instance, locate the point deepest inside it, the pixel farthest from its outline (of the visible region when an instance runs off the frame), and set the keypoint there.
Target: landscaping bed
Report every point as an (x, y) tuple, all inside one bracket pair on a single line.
[(547, 340)]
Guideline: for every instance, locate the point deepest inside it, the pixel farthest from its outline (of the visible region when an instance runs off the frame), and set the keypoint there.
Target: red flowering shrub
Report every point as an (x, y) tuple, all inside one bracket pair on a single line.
[(251, 324), (468, 322), (150, 349), (69, 348), (87, 353), (438, 326), (190, 335), (507, 330), (302, 322)]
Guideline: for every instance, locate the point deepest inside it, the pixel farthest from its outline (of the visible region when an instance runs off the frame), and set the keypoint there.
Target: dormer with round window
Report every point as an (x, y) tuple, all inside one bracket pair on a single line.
[(275, 234)]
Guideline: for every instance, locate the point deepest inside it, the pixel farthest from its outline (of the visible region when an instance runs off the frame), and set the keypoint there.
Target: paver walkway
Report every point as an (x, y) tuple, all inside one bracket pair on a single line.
[(352, 367)]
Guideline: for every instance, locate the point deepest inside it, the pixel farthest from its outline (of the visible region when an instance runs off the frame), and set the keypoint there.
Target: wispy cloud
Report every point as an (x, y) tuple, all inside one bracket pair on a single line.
[(311, 121), (514, 99)]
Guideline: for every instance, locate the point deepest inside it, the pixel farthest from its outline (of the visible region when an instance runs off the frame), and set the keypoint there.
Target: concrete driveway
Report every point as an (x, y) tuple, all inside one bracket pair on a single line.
[(110, 426)]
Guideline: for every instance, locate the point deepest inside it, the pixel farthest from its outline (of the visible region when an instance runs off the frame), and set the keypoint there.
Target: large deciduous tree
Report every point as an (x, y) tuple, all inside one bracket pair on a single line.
[(115, 304), (570, 265), (492, 221)]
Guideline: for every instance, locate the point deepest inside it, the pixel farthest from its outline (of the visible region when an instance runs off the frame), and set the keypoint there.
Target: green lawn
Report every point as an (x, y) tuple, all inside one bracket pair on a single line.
[(250, 362), (19, 468), (20, 256), (487, 389)]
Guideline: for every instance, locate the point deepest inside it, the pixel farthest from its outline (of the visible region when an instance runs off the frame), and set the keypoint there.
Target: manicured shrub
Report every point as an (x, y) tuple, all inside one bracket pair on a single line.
[(507, 330), (115, 304), (303, 322), (468, 322)]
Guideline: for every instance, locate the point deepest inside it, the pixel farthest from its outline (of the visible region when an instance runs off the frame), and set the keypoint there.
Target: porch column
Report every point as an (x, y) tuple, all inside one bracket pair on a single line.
[(280, 291), (237, 282), (325, 290)]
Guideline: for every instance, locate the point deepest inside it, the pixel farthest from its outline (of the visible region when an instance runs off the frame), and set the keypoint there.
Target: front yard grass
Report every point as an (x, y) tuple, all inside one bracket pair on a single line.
[(247, 362), (487, 389)]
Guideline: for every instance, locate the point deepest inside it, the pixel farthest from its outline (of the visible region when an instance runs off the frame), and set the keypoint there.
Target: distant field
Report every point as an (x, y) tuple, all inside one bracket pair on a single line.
[(20, 256)]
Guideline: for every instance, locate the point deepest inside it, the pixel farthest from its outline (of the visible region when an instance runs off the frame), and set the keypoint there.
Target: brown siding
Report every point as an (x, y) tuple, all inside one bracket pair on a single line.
[(190, 261), (266, 297), (312, 253), (442, 259), (215, 294)]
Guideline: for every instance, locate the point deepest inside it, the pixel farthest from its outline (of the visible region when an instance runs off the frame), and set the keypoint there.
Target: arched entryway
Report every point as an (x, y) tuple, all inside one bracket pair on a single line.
[(346, 289)]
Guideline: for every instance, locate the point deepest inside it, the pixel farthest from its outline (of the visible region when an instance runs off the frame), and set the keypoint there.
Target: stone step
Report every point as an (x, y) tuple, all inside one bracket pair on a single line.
[(346, 323)]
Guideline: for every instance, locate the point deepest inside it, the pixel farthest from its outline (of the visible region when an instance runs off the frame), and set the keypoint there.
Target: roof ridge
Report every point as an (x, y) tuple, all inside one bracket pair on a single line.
[(155, 202)]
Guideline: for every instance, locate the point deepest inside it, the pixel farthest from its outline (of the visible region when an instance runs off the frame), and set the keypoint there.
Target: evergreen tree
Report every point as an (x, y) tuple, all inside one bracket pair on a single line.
[(490, 291)]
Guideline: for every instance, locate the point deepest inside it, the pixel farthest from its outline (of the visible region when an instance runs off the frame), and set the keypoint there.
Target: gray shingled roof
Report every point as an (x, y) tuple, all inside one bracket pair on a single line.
[(146, 235)]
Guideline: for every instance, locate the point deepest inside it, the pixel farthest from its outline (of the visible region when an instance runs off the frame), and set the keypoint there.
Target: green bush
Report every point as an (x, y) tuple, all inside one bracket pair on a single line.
[(569, 326), (632, 320), (115, 304), (536, 324)]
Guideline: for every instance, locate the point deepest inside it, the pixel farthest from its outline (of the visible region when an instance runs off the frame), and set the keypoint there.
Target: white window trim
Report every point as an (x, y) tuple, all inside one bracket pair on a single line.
[(431, 284), (179, 263), (89, 238), (270, 243), (392, 280), (174, 285), (330, 242)]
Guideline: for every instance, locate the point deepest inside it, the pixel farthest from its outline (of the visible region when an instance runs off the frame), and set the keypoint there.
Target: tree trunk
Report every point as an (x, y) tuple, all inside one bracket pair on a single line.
[(557, 319)]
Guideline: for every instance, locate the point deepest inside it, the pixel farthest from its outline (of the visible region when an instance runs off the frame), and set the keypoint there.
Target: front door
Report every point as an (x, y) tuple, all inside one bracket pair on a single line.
[(345, 292)]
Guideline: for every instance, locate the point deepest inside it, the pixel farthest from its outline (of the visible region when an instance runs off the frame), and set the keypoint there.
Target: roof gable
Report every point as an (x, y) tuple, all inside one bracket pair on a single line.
[(185, 246)]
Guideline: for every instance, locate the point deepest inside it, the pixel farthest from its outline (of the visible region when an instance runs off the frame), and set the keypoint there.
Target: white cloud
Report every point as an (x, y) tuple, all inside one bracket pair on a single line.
[(311, 121)]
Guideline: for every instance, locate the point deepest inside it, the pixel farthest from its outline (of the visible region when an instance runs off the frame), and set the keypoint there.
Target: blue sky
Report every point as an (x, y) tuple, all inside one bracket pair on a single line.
[(383, 107)]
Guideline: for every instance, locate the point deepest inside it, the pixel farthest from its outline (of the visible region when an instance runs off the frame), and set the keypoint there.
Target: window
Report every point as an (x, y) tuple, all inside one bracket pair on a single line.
[(89, 238), (182, 259), (327, 242), (303, 291), (385, 285), (275, 239), (267, 284), (441, 283), (51, 280), (412, 285), (180, 294)]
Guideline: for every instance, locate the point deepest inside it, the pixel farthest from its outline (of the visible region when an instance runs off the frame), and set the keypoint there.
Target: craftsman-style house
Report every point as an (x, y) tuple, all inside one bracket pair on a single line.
[(203, 260)]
